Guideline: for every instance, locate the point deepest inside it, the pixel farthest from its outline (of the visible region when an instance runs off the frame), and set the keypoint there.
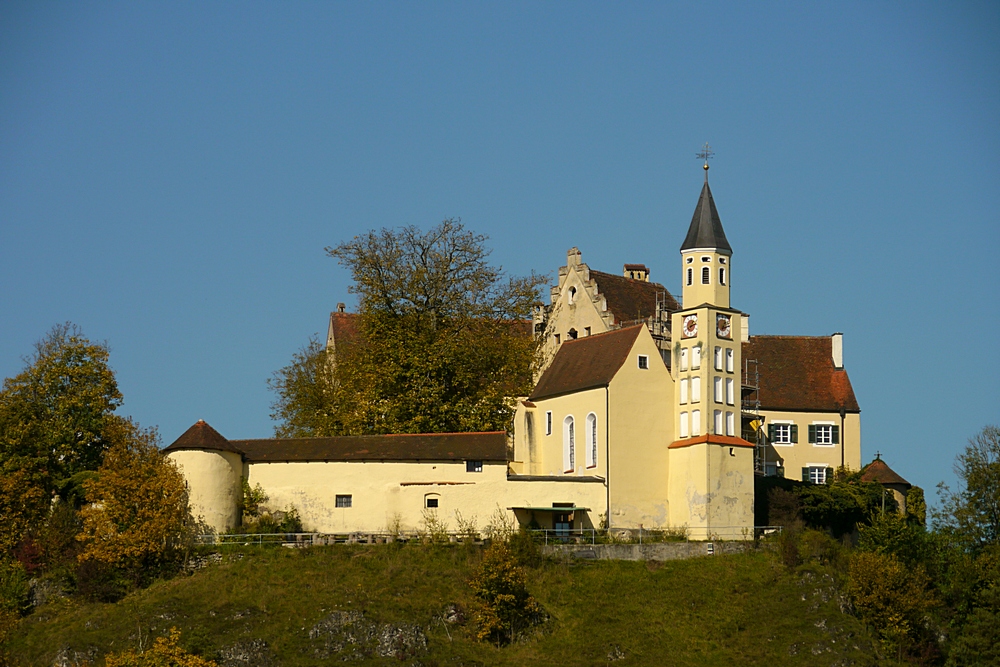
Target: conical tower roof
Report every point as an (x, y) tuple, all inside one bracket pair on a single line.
[(706, 228), (202, 436)]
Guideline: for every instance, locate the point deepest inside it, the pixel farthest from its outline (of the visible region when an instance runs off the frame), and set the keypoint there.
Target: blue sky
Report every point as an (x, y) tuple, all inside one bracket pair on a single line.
[(171, 172)]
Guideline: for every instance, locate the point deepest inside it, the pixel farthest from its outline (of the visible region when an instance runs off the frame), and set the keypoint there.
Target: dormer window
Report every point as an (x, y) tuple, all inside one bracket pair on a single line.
[(706, 275)]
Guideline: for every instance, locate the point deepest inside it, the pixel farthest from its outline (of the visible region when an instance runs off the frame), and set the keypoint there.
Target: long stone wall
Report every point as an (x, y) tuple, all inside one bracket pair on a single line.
[(656, 551)]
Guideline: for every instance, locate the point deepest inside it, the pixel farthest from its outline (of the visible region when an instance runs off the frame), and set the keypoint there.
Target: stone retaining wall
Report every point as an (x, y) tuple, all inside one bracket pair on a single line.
[(656, 551)]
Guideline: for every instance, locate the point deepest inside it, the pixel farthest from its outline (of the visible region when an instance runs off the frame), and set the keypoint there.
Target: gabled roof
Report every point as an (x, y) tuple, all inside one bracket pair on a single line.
[(630, 299), (487, 446), (879, 471), (344, 328), (797, 373), (706, 227), (586, 363), (202, 436)]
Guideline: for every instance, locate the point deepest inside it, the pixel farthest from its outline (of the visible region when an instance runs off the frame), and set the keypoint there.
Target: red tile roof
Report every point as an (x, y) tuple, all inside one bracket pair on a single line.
[(630, 299), (485, 446), (344, 327), (711, 439), (879, 471), (797, 373), (586, 363)]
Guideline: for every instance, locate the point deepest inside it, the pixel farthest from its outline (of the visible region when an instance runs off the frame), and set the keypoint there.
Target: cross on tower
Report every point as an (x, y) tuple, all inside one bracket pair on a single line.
[(706, 153)]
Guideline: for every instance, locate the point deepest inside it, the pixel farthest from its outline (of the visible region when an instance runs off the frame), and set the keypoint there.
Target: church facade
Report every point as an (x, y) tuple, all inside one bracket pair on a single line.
[(647, 413)]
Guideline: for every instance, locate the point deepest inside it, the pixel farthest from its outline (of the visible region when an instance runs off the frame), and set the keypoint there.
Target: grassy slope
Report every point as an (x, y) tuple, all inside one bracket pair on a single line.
[(708, 611)]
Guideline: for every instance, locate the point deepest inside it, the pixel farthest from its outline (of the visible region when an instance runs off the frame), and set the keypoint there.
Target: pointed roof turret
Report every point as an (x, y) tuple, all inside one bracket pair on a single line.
[(706, 228)]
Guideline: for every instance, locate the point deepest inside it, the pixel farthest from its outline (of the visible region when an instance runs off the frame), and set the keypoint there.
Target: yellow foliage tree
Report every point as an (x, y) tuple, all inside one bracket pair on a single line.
[(138, 515), (165, 652)]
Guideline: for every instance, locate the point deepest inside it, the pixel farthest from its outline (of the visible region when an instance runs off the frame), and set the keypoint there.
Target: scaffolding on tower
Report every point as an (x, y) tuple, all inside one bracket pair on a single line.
[(753, 422)]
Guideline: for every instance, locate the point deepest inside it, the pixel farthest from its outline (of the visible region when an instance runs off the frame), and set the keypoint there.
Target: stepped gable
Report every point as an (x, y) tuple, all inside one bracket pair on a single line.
[(706, 230), (482, 446), (630, 299), (797, 373), (879, 471), (586, 363), (202, 436)]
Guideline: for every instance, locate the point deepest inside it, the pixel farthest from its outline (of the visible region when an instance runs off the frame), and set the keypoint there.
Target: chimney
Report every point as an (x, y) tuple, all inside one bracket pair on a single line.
[(341, 308), (837, 343)]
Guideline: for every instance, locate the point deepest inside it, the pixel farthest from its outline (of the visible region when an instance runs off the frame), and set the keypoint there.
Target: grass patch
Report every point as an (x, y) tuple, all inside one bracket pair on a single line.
[(708, 611)]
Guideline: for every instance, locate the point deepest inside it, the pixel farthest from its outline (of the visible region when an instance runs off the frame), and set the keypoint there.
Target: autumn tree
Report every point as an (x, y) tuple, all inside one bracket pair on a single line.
[(444, 341), (53, 418), (137, 517), (971, 515), (165, 652)]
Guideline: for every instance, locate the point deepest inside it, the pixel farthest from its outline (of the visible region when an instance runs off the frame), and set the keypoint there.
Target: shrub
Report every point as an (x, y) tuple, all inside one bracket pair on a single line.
[(14, 587), (507, 608), (165, 652)]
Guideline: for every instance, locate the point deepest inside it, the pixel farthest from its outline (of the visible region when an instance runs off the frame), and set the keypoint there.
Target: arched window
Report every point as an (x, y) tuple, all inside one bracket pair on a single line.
[(706, 275), (591, 440), (569, 445), (572, 295), (722, 276)]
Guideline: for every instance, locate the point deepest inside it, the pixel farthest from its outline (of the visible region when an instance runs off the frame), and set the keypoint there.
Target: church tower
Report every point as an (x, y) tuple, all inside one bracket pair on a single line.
[(711, 466)]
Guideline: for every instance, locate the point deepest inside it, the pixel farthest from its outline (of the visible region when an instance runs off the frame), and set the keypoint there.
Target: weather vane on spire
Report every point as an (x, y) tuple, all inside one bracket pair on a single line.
[(706, 153)]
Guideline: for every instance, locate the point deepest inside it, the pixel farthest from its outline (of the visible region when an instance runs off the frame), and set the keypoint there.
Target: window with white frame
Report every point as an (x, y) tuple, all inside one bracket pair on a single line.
[(718, 358), (717, 389), (729, 360), (569, 445), (785, 433), (706, 275), (343, 500), (684, 359), (817, 475), (717, 418), (696, 357), (548, 423), (730, 423), (684, 425), (643, 362), (722, 276), (696, 422), (591, 440), (730, 391), (824, 434), (684, 390), (695, 390)]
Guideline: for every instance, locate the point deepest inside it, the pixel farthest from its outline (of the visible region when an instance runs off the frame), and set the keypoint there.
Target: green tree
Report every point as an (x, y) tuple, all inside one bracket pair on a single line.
[(507, 607), (138, 516), (53, 417), (444, 341), (971, 515)]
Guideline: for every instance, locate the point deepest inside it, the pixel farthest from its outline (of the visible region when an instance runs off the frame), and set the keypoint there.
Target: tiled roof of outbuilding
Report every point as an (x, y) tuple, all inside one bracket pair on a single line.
[(630, 299), (797, 373), (586, 363), (344, 327), (202, 436), (879, 471), (486, 446)]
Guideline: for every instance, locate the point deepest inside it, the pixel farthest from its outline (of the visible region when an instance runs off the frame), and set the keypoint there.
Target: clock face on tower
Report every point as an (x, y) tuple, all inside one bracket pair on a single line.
[(690, 326), (723, 327)]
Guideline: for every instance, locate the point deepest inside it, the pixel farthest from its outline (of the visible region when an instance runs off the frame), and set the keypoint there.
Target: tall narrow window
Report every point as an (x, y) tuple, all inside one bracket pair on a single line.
[(730, 392), (684, 359), (569, 445), (696, 422), (695, 389), (696, 357), (729, 360), (718, 422), (718, 358), (690, 280), (684, 425), (548, 423), (717, 389), (591, 440), (722, 276), (684, 390), (730, 423), (706, 275)]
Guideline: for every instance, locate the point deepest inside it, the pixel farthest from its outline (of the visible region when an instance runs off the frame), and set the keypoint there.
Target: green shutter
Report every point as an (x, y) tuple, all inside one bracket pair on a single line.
[(805, 474), (812, 434), (829, 475), (795, 433), (836, 435), (770, 432)]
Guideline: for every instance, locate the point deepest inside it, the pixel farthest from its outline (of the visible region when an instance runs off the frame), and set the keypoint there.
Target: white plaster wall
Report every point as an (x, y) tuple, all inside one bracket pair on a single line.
[(214, 481)]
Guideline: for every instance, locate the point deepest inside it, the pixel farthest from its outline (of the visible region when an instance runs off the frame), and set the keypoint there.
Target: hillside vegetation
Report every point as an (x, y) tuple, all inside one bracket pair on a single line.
[(413, 605)]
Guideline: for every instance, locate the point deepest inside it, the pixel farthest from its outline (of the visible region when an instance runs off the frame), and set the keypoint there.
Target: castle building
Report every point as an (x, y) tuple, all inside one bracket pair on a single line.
[(647, 413)]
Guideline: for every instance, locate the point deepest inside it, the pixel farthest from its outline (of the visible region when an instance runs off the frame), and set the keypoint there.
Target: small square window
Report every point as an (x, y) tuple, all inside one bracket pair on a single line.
[(643, 362), (343, 500), (431, 503), (473, 466)]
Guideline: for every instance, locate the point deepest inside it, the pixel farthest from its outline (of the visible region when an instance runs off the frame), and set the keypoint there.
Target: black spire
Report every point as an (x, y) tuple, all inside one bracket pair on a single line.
[(706, 228)]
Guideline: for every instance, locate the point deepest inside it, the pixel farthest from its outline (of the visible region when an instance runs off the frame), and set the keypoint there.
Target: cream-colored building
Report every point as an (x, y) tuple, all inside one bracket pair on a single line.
[(646, 414)]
